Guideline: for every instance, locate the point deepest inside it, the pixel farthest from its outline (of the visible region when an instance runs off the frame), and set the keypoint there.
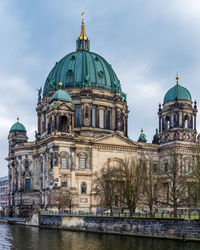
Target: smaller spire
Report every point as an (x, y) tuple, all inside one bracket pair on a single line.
[(177, 78), (17, 119)]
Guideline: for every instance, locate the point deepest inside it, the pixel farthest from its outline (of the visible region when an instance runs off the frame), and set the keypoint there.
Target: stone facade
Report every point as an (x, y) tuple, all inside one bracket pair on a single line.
[(75, 139)]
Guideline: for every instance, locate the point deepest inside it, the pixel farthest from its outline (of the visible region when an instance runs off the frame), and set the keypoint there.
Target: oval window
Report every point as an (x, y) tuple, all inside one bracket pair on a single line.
[(69, 72), (100, 74)]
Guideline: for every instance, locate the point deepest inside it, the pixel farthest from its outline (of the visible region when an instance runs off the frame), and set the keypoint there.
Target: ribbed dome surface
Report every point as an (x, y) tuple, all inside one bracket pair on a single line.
[(81, 68), (18, 127), (177, 92)]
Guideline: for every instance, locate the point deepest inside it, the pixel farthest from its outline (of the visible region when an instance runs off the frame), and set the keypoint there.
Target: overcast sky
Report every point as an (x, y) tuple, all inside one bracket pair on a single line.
[(146, 41)]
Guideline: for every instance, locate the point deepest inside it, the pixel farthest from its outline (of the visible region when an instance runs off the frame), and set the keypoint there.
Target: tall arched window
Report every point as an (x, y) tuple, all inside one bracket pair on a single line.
[(109, 119), (186, 125), (82, 161), (64, 163), (94, 117), (86, 112), (78, 117), (63, 124), (51, 160), (167, 122), (101, 118), (83, 188), (27, 185), (41, 164)]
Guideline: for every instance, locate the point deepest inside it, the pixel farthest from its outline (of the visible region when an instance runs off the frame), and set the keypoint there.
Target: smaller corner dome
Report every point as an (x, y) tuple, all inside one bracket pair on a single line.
[(18, 127), (60, 95), (177, 92)]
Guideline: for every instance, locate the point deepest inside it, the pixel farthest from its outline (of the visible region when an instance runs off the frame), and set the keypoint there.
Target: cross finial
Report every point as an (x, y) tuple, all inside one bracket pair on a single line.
[(17, 119), (82, 14)]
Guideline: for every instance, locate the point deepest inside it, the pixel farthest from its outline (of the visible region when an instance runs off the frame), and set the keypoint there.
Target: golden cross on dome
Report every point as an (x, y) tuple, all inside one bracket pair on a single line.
[(82, 14), (18, 119)]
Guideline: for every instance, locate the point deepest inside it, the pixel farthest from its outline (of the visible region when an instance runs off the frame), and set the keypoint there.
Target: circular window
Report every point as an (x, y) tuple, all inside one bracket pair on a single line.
[(96, 59), (73, 58), (100, 74), (69, 72)]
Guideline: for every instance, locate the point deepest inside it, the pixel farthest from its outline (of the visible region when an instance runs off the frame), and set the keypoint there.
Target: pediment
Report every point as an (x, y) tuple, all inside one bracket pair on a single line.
[(115, 140)]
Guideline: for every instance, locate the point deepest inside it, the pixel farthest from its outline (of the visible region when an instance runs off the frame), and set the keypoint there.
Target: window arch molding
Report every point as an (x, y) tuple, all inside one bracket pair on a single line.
[(83, 160), (65, 160)]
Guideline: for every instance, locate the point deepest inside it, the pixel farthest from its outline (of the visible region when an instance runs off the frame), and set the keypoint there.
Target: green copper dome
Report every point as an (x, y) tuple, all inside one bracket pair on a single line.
[(18, 127), (177, 92), (60, 95), (82, 68)]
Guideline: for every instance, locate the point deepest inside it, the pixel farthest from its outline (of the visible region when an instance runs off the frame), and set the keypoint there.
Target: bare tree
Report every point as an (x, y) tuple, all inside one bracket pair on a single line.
[(62, 197), (194, 187), (150, 182), (129, 179), (175, 181), (105, 187)]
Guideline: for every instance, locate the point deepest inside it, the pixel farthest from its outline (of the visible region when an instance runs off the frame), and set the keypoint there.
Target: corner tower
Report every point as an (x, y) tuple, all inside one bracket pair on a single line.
[(177, 118), (17, 136)]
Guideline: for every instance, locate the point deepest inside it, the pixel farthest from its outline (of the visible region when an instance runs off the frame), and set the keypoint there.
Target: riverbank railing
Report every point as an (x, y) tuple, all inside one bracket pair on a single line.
[(188, 216)]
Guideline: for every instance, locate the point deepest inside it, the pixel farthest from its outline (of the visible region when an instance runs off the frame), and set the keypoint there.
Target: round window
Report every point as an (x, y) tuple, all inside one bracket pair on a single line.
[(100, 74), (69, 72)]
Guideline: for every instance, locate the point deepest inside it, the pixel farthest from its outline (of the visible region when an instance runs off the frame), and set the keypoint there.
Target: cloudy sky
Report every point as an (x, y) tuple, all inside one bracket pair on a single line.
[(146, 41)]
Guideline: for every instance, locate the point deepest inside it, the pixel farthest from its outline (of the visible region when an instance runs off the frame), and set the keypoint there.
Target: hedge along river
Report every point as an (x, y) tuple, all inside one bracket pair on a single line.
[(21, 237)]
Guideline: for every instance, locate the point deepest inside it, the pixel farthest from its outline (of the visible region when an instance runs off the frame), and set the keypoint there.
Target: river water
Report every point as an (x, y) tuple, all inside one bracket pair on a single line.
[(19, 237)]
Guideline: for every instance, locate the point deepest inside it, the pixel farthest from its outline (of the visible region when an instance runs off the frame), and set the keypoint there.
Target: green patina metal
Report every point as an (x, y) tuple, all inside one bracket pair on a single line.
[(60, 95), (18, 127), (177, 92), (80, 69), (142, 137)]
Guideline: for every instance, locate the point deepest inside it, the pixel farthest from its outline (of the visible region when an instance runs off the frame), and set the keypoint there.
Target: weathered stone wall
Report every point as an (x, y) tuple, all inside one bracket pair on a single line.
[(167, 228)]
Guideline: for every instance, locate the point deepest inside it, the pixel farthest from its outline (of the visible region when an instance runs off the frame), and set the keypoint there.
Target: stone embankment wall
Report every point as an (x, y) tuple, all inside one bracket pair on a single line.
[(163, 228)]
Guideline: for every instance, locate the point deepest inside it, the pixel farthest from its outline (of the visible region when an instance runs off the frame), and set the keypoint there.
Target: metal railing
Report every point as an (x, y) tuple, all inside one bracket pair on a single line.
[(186, 216)]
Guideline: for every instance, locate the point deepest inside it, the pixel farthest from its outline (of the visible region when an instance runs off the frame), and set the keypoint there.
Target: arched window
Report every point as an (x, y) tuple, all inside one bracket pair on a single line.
[(51, 160), (26, 164), (101, 118), (27, 185), (83, 188), (63, 124), (186, 123), (86, 112), (167, 122), (82, 162), (50, 125), (94, 117), (109, 119), (78, 117), (64, 163), (41, 164)]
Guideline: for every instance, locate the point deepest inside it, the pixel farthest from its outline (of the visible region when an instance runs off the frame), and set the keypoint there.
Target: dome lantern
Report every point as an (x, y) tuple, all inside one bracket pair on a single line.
[(82, 43)]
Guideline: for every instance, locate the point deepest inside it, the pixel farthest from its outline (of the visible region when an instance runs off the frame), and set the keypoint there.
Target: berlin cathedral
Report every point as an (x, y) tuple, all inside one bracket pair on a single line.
[(82, 117)]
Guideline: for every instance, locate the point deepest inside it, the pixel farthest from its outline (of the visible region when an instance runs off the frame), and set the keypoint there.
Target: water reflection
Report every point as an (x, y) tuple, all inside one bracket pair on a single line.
[(22, 238)]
